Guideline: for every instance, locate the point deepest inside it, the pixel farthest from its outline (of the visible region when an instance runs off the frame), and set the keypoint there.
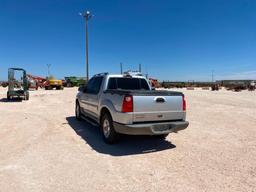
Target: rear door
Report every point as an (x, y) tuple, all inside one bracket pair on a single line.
[(93, 95), (84, 96), (157, 108)]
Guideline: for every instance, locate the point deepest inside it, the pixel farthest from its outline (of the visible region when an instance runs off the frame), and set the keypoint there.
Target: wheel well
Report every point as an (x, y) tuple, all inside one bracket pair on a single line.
[(103, 111)]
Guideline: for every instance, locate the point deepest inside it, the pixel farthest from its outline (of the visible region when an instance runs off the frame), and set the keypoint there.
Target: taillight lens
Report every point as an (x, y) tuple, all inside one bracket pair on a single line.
[(127, 104), (184, 106)]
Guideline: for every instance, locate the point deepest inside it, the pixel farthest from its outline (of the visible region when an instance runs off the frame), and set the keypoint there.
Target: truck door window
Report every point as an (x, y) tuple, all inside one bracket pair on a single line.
[(90, 85), (95, 86)]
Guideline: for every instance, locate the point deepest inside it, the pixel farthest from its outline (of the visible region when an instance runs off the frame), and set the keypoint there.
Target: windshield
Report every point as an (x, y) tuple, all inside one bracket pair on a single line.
[(128, 83)]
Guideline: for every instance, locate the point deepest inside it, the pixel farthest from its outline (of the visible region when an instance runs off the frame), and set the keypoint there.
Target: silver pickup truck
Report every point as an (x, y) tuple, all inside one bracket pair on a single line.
[(126, 104)]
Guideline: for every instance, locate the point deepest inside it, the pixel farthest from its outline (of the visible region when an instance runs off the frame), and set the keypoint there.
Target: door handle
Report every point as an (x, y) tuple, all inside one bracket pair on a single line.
[(159, 99)]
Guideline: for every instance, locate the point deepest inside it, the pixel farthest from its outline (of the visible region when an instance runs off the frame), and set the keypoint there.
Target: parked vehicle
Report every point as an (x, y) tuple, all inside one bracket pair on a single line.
[(215, 87), (32, 84), (50, 84), (17, 87), (39, 81), (126, 104), (74, 81), (252, 86), (154, 83)]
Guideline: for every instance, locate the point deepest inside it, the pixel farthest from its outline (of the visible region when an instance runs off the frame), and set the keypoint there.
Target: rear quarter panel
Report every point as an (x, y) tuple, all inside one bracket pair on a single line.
[(113, 102)]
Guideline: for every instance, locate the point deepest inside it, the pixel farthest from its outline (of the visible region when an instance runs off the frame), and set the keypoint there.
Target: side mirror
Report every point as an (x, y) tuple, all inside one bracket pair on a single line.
[(82, 89), (153, 88)]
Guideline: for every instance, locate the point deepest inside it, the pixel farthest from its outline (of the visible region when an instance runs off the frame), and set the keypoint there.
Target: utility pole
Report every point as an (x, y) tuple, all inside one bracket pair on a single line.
[(87, 15), (48, 67), (121, 68)]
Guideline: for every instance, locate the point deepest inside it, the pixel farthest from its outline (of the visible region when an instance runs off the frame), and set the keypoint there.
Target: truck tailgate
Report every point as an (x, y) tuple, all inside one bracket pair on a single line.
[(157, 108)]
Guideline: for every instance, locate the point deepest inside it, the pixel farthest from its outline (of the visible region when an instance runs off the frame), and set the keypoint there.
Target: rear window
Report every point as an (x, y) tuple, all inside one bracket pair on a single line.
[(127, 83)]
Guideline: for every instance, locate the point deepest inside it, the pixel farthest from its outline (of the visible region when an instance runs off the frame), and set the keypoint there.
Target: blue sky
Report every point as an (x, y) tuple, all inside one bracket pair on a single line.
[(172, 39)]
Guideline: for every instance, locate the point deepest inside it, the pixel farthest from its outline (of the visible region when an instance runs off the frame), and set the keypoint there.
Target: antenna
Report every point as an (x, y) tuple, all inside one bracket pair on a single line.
[(121, 68)]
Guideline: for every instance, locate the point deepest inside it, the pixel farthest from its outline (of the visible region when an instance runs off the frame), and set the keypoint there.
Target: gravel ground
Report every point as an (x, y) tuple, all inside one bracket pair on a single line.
[(43, 148)]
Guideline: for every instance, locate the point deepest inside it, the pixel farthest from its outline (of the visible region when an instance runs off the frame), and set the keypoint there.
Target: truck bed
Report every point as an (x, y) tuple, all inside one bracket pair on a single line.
[(143, 92), (146, 106)]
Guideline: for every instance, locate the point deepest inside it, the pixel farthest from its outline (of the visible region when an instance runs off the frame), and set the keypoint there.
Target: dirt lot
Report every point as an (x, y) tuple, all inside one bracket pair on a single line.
[(43, 148)]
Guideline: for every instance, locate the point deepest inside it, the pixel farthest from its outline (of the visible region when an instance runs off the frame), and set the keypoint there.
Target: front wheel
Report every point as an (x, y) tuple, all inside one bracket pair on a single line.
[(109, 134)]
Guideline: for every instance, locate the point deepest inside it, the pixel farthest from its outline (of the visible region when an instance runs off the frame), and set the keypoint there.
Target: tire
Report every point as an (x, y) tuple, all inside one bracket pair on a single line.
[(27, 96), (8, 96), (78, 111), (108, 132)]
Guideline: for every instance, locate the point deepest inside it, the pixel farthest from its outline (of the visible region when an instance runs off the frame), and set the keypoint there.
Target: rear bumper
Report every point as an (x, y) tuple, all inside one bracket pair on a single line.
[(151, 128)]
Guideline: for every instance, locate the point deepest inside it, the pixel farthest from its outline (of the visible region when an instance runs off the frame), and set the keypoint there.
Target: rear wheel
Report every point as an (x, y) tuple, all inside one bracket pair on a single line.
[(78, 111), (107, 129), (8, 96)]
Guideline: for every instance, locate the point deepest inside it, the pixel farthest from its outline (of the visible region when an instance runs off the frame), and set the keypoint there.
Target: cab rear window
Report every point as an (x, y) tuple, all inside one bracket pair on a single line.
[(127, 83)]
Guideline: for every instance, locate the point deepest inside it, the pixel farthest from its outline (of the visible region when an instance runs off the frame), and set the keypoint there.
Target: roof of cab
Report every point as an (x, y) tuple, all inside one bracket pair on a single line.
[(126, 74)]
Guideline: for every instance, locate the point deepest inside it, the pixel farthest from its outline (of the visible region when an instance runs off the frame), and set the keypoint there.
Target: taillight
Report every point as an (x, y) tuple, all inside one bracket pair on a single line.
[(184, 103), (127, 104)]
